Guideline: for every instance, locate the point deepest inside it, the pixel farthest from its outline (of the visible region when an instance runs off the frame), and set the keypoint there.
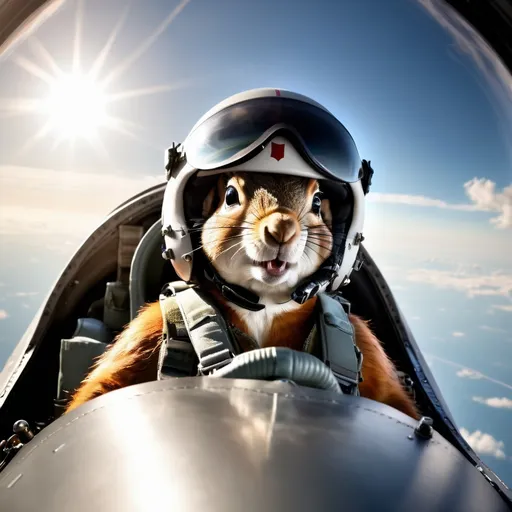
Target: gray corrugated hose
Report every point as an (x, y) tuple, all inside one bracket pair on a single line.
[(279, 362)]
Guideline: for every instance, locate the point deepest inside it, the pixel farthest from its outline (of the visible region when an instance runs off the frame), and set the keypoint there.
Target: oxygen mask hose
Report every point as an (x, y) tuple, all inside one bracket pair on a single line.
[(281, 363)]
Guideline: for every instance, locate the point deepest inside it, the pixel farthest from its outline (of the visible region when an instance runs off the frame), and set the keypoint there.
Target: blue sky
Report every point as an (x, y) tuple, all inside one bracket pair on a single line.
[(417, 106)]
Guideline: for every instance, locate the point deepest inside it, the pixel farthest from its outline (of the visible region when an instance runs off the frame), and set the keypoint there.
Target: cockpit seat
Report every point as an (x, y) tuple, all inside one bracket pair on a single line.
[(93, 328), (78, 354)]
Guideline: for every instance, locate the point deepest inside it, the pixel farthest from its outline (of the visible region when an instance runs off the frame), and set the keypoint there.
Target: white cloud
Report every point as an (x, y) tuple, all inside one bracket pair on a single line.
[(3, 314), (398, 242), (501, 307), (46, 201), (492, 329), (458, 334), (469, 374), (26, 294), (484, 444), (495, 283), (416, 200), (498, 403), (481, 192)]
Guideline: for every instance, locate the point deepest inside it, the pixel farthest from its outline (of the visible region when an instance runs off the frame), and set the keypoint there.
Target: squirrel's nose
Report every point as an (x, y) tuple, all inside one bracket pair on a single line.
[(279, 228)]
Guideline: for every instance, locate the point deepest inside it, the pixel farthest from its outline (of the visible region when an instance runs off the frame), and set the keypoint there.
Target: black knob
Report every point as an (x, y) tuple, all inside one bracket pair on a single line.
[(424, 427), (22, 429)]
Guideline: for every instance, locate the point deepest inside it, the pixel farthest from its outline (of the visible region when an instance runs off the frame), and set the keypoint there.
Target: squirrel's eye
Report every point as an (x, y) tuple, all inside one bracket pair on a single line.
[(231, 196), (317, 203)]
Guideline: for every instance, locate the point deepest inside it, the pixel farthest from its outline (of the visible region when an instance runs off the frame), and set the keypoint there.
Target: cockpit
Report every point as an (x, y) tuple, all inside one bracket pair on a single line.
[(88, 106)]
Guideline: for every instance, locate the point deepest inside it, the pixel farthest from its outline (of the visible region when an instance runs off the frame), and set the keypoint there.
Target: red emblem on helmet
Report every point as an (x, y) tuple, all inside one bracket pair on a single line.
[(277, 151)]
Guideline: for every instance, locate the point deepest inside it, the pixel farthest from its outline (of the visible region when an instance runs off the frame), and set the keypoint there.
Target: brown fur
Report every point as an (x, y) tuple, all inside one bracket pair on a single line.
[(132, 359), (269, 204)]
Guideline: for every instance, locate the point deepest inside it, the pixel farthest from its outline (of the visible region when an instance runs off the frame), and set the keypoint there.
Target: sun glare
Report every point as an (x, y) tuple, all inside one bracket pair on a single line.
[(77, 101), (76, 106)]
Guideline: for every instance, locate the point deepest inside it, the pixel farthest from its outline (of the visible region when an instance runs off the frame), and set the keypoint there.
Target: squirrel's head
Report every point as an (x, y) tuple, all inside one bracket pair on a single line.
[(266, 232)]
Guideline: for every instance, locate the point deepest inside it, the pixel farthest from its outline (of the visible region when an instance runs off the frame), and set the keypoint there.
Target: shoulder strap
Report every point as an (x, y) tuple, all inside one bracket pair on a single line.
[(206, 329), (177, 357), (337, 338)]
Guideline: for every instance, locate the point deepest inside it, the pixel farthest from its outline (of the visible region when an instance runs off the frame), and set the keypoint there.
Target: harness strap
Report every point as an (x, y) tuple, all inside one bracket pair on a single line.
[(339, 350), (177, 357), (197, 339), (204, 325)]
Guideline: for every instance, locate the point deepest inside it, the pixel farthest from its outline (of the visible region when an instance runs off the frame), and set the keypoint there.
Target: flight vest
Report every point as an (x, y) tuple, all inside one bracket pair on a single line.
[(197, 340)]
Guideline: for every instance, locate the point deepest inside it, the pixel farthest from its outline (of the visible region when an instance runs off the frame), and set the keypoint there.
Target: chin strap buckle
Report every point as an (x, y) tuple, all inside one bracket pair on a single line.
[(304, 293), (318, 282)]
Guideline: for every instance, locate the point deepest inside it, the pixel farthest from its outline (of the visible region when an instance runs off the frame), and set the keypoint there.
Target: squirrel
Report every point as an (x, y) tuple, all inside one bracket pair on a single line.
[(266, 232)]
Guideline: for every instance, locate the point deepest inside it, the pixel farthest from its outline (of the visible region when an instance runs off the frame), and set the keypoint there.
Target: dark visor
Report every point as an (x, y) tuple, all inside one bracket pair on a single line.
[(235, 132)]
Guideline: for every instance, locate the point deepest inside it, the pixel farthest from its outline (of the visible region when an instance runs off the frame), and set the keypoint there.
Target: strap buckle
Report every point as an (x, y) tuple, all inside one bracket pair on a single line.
[(211, 362)]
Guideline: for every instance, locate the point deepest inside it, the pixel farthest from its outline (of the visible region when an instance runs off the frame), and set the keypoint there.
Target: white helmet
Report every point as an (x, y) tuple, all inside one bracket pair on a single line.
[(274, 131)]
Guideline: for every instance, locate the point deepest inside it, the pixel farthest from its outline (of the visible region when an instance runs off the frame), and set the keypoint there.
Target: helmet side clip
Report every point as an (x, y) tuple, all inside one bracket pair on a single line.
[(175, 157)]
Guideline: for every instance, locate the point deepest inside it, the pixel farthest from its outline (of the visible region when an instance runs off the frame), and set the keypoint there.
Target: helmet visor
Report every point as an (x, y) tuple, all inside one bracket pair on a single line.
[(234, 133)]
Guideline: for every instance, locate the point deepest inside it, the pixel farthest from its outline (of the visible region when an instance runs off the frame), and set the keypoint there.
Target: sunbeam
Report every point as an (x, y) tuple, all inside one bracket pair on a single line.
[(33, 69), (145, 45), (76, 103), (40, 50), (102, 56), (78, 35), (147, 91)]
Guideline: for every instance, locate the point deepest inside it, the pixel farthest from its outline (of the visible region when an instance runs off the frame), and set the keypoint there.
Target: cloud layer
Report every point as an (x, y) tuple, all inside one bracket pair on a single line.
[(481, 192), (498, 403), (467, 373), (484, 444), (46, 201), (472, 282)]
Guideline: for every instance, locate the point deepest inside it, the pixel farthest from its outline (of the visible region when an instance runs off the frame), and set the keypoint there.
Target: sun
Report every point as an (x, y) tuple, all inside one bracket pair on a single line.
[(76, 106)]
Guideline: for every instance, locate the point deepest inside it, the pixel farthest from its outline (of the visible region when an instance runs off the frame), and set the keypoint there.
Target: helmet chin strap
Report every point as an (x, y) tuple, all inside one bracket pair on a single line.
[(246, 299), (233, 293)]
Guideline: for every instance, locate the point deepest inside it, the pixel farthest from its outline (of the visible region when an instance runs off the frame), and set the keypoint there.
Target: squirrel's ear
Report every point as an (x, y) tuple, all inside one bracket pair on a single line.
[(325, 210)]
